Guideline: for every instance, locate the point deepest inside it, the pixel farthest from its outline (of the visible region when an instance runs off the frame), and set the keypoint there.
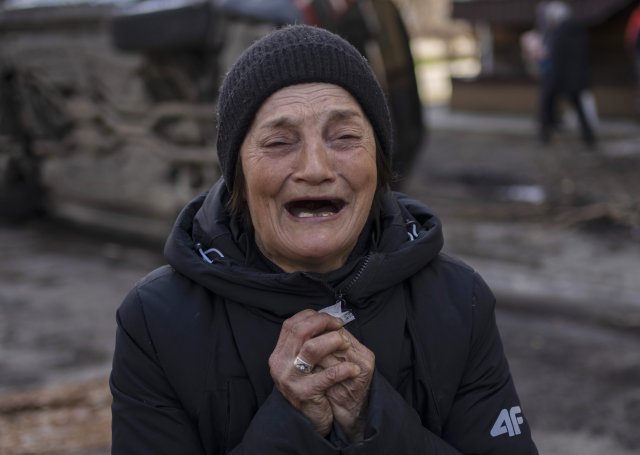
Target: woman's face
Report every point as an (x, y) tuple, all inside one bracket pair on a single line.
[(309, 162)]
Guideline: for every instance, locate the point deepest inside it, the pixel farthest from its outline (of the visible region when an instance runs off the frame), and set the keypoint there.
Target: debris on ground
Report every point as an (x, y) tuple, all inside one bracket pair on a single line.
[(58, 419)]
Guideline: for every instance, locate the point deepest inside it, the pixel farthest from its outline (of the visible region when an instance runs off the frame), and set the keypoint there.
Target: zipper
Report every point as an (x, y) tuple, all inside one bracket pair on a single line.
[(339, 294), (356, 277)]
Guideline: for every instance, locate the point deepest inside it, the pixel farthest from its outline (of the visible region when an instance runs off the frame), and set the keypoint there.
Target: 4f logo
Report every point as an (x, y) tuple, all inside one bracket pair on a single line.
[(509, 421)]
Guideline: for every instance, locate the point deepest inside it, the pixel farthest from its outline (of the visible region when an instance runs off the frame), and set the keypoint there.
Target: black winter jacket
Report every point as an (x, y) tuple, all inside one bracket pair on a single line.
[(569, 58), (190, 372)]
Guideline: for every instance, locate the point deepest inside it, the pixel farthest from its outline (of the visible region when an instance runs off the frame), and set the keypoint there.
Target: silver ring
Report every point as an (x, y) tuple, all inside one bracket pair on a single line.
[(302, 365)]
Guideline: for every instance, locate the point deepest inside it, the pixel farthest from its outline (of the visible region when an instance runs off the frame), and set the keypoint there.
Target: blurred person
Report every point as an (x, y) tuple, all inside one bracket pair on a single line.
[(535, 53), (567, 74), (306, 308), (542, 30)]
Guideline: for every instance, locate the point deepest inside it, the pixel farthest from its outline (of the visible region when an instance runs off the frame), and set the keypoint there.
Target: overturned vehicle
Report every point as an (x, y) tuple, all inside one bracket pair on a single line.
[(107, 107)]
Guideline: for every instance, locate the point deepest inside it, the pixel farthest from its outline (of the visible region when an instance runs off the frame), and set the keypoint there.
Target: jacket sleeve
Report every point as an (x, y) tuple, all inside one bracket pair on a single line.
[(486, 416), (146, 415), (278, 427), (393, 426)]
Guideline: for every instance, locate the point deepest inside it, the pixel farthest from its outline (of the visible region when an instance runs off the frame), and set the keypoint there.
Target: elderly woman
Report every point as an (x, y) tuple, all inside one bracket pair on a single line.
[(306, 308)]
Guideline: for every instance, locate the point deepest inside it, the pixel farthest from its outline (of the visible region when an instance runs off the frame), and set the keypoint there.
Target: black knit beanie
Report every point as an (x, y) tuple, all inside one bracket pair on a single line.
[(294, 55)]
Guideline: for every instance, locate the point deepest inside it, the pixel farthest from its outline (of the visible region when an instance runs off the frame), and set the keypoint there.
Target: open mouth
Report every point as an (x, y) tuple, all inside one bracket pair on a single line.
[(320, 208)]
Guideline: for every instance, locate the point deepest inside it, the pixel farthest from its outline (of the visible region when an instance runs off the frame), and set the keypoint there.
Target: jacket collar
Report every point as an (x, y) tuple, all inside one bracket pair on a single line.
[(208, 246)]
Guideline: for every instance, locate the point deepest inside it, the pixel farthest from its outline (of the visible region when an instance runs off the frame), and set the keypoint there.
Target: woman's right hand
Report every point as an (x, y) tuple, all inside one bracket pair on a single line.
[(311, 336)]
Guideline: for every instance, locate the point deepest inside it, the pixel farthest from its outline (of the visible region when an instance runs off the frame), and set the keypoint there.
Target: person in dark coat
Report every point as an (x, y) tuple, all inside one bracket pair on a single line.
[(566, 73), (305, 307)]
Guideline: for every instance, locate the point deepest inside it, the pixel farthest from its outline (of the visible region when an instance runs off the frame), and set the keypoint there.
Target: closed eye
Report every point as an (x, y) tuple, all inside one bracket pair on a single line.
[(276, 144), (278, 141), (346, 141)]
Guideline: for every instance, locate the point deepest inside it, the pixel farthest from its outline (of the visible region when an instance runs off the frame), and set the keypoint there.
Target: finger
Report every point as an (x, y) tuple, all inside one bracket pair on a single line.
[(357, 352), (315, 349), (330, 360), (293, 320), (325, 379), (312, 387), (295, 333), (355, 347)]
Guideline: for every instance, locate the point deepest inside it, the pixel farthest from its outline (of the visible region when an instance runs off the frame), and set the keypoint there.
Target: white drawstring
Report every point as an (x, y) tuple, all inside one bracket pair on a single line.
[(210, 250)]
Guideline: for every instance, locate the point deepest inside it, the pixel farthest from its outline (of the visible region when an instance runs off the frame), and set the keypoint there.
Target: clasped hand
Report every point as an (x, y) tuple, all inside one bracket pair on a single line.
[(337, 388)]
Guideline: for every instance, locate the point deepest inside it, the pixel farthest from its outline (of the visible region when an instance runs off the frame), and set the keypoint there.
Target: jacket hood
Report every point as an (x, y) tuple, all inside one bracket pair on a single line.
[(210, 248)]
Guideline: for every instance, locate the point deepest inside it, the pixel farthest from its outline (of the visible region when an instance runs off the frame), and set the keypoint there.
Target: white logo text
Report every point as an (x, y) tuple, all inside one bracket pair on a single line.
[(508, 421)]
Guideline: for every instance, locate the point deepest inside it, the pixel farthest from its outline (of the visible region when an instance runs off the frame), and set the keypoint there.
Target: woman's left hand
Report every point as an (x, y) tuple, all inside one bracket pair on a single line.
[(349, 398)]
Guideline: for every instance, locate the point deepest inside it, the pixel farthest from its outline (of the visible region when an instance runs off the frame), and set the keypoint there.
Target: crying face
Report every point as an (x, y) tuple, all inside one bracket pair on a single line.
[(309, 165)]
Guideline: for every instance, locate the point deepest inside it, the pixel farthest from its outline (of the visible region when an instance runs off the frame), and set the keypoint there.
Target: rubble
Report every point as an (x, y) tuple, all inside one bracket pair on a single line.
[(56, 419)]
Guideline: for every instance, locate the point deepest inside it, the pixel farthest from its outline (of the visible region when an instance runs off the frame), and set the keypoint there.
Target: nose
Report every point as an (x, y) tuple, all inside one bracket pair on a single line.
[(315, 163)]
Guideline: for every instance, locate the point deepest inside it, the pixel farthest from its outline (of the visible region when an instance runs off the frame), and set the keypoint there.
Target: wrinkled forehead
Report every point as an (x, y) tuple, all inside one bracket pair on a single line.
[(310, 102)]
